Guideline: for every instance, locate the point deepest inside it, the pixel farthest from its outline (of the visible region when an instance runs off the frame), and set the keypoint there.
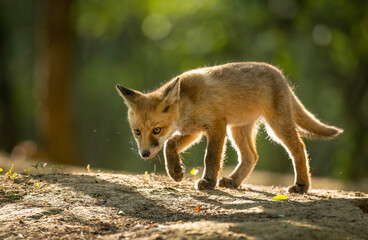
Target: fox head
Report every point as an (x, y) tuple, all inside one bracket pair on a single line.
[(152, 116)]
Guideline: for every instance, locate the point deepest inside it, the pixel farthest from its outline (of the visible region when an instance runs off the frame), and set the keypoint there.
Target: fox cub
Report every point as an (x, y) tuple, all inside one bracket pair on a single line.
[(225, 100)]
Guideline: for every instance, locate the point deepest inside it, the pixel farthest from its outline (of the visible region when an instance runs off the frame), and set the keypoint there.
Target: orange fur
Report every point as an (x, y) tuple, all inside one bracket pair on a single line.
[(206, 101)]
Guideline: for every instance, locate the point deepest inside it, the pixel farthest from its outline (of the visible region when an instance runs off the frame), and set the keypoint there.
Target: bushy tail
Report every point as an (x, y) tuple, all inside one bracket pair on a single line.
[(310, 126)]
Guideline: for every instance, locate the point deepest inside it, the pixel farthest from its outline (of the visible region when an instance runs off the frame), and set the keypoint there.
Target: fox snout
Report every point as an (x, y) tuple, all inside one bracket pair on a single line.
[(148, 147), (150, 153), (145, 154)]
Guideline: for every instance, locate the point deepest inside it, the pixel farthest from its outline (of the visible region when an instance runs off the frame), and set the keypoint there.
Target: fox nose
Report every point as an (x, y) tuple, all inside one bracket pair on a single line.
[(145, 153)]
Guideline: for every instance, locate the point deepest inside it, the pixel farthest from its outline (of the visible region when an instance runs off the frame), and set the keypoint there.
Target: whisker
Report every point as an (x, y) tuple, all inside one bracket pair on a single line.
[(159, 158), (133, 147)]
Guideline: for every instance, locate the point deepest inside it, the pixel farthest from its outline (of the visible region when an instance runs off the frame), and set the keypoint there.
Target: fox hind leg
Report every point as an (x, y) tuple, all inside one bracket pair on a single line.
[(287, 132), (243, 140)]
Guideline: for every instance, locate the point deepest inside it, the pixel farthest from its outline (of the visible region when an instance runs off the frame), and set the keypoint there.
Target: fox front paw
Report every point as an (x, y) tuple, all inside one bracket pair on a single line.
[(203, 184), (299, 188), (228, 183), (176, 173)]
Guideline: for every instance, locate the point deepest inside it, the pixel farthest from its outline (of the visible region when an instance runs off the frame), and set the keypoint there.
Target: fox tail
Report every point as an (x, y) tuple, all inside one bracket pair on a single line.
[(310, 126)]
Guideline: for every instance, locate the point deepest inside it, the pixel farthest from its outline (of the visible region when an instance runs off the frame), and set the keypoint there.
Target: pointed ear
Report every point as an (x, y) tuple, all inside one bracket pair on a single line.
[(172, 92), (129, 95)]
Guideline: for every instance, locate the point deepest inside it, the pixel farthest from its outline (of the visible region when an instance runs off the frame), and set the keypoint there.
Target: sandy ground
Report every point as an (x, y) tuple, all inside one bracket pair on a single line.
[(118, 206)]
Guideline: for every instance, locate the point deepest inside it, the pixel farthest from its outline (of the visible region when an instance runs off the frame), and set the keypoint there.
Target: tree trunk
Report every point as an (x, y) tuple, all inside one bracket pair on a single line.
[(53, 76), (8, 128)]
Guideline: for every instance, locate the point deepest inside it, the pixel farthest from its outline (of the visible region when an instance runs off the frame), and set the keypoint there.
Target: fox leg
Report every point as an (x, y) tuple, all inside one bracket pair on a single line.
[(287, 132), (214, 153), (243, 142), (173, 147)]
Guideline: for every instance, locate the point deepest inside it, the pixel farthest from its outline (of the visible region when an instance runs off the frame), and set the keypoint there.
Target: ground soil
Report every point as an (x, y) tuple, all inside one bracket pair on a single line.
[(119, 206)]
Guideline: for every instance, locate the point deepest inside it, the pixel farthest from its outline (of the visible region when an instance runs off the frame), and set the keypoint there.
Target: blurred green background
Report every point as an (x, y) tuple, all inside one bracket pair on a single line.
[(60, 60)]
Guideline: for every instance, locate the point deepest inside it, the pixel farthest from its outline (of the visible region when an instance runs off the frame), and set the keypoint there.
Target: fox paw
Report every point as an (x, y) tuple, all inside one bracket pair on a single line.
[(203, 184), (228, 183), (299, 188), (177, 173)]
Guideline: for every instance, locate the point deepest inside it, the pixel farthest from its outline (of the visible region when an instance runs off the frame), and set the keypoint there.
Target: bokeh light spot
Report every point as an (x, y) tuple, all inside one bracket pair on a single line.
[(322, 35), (156, 27)]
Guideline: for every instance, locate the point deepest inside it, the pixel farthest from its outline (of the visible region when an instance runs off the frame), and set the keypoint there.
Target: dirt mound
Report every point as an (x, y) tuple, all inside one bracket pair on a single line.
[(115, 206)]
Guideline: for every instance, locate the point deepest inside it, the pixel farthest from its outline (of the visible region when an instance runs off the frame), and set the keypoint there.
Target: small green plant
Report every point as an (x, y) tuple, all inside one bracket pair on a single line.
[(95, 195), (280, 197), (53, 169), (10, 171), (121, 212), (27, 170), (36, 166), (14, 196), (194, 172), (147, 175), (13, 176), (61, 168), (43, 165), (89, 168), (1, 170)]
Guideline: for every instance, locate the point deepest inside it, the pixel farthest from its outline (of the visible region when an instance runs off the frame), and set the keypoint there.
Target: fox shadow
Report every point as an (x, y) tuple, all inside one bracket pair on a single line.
[(149, 207)]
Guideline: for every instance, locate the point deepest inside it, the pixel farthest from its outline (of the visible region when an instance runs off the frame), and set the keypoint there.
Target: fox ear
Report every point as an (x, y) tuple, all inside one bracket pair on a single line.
[(129, 95), (172, 92)]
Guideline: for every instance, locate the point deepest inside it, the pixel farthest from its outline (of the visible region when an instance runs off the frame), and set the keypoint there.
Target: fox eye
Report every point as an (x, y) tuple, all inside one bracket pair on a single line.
[(156, 130), (137, 132), (166, 109)]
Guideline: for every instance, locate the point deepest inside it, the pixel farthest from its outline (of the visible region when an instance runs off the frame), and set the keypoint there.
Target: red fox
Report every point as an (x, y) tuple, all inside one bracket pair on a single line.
[(226, 100)]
